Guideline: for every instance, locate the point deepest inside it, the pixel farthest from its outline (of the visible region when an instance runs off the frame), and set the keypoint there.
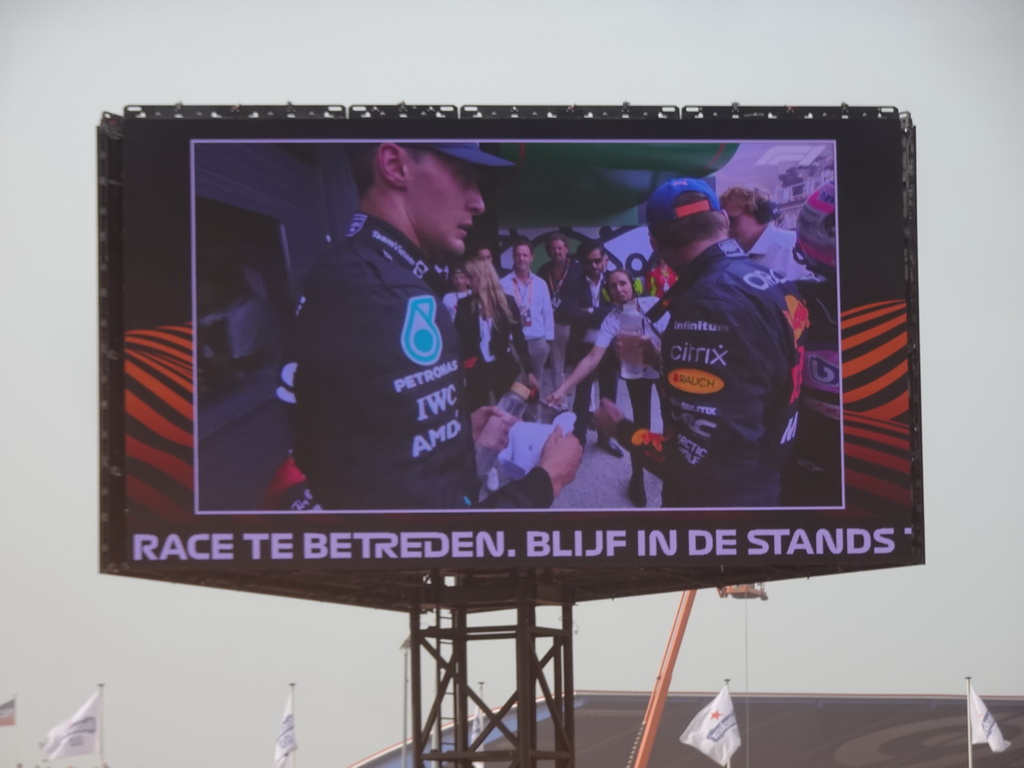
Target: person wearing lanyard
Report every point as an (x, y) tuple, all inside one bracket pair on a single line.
[(534, 302), (557, 273)]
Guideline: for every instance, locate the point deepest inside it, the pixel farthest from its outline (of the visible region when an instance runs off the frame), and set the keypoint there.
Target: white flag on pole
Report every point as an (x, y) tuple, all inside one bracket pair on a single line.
[(78, 735), (286, 743), (983, 725), (714, 731)]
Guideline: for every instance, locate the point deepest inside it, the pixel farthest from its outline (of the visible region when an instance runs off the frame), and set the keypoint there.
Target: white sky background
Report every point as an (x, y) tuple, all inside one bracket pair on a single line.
[(199, 677)]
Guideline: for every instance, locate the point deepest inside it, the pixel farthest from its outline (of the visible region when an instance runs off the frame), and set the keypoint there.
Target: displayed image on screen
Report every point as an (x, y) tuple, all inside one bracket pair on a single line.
[(377, 417)]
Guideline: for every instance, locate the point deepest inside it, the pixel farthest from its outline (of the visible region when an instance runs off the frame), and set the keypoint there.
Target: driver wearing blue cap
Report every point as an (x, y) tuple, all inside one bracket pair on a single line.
[(731, 359), (375, 372)]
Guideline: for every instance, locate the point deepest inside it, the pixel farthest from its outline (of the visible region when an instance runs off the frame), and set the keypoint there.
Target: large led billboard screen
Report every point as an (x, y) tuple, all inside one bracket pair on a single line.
[(308, 314)]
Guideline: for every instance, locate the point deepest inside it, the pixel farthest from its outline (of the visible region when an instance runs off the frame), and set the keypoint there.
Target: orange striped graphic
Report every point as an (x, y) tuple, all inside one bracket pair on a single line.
[(155, 422), (158, 404), (160, 389), (878, 487), (877, 385), (874, 356), (169, 464)]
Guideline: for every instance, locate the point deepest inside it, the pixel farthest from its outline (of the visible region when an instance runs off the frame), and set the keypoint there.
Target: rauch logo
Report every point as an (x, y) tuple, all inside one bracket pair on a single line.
[(695, 381)]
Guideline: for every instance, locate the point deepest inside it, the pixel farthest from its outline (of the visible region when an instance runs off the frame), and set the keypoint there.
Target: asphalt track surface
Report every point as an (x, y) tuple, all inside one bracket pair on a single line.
[(603, 480)]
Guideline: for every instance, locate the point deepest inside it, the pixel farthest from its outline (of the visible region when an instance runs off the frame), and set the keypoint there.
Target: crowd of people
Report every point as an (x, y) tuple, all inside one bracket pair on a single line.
[(389, 412)]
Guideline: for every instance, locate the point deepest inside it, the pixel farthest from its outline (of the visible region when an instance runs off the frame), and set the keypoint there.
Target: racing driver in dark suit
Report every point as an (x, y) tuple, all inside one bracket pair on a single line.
[(731, 359), (380, 417)]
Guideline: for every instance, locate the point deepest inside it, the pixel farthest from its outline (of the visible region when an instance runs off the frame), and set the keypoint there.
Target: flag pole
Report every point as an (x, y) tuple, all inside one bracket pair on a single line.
[(746, 677), (404, 647), (295, 757), (970, 732), (728, 760), (102, 717)]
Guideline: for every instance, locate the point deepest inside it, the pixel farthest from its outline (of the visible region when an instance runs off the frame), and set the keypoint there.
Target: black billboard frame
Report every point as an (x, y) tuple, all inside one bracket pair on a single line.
[(398, 588)]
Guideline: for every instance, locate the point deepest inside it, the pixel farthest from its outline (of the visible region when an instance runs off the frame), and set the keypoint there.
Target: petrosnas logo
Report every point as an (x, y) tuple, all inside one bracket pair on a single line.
[(421, 338), (695, 381)]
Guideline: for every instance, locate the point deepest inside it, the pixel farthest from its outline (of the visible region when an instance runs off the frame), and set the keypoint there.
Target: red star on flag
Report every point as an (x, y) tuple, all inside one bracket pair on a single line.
[(715, 715)]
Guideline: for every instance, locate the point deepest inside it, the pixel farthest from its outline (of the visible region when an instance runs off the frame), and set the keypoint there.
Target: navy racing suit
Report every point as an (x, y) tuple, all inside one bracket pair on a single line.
[(379, 394), (731, 366), (814, 476)]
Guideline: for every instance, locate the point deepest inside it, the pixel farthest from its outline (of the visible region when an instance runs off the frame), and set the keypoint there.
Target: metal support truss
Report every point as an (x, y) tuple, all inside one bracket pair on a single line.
[(450, 731)]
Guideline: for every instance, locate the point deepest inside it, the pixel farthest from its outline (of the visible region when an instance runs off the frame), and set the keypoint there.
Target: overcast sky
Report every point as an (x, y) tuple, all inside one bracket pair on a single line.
[(199, 677)]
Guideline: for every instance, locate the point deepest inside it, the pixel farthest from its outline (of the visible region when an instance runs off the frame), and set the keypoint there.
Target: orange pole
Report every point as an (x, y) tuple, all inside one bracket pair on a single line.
[(656, 705)]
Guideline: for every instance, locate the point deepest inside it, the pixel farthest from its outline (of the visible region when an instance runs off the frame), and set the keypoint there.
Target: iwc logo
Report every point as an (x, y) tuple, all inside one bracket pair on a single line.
[(421, 338)]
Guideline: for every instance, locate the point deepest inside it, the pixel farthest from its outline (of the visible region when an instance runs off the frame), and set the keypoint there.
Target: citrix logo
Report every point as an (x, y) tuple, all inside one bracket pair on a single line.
[(688, 353)]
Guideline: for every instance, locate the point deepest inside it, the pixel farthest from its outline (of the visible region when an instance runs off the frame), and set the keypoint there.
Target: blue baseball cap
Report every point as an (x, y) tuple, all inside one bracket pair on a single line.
[(662, 208), (470, 152)]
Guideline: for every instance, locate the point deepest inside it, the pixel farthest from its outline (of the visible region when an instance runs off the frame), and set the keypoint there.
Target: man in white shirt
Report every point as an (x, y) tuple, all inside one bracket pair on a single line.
[(557, 274), (533, 298), (752, 216)]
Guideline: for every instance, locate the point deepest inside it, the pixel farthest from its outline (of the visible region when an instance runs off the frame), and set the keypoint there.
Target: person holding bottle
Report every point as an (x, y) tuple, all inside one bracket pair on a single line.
[(624, 326)]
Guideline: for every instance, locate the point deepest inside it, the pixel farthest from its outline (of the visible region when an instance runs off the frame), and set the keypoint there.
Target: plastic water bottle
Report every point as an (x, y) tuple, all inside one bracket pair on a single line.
[(631, 327), (512, 402)]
